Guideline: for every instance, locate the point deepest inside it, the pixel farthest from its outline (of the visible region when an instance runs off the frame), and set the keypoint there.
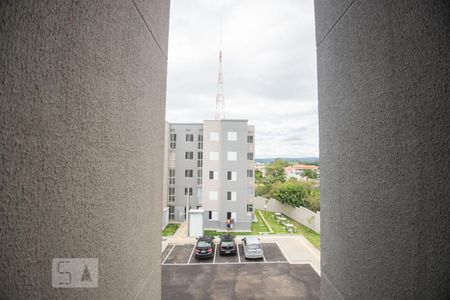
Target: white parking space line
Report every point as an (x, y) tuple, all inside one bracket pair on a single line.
[(168, 254), (239, 257), (215, 252), (264, 259), (232, 263), (192, 252)]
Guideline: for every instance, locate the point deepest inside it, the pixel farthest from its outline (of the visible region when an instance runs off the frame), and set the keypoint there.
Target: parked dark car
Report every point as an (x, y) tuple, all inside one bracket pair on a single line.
[(227, 245), (204, 247)]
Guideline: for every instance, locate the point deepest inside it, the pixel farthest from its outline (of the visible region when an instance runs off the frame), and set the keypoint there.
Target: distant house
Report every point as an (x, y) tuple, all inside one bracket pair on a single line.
[(297, 171)]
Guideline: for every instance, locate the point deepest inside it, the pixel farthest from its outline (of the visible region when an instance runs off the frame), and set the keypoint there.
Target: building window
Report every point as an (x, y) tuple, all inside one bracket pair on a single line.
[(199, 177), (171, 212), (249, 173), (199, 163), (213, 155), (231, 175), (213, 195), (213, 175), (200, 155), (188, 191), (249, 207), (214, 136), (231, 196), (250, 156), (232, 155), (250, 191), (189, 155), (173, 140), (172, 156), (212, 215), (188, 173), (189, 137), (171, 195), (172, 176), (232, 135), (250, 139), (200, 141)]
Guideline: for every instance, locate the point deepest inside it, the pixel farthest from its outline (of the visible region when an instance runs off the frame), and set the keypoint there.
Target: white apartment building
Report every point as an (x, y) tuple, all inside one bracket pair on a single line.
[(211, 165)]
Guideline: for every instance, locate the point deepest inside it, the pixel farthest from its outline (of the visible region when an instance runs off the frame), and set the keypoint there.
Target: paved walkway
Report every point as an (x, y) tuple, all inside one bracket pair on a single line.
[(182, 231), (297, 249)]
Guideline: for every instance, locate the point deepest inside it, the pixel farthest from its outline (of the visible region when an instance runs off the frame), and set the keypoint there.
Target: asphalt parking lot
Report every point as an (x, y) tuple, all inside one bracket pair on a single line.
[(184, 255), (234, 277)]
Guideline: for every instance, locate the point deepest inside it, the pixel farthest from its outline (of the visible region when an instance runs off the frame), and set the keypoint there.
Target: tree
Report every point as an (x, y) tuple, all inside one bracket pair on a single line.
[(275, 171), (310, 173), (313, 201), (262, 190), (258, 176), (292, 193)]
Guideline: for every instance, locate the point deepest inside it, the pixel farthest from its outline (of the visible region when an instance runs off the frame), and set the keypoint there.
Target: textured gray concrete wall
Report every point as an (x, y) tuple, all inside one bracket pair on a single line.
[(384, 110), (82, 110)]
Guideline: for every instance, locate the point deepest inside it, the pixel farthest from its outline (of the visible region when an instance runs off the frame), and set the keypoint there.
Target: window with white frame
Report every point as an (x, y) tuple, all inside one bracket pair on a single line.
[(214, 136), (231, 175), (188, 173), (172, 176), (249, 173), (213, 195), (250, 139), (189, 137), (173, 140), (213, 175), (250, 156), (232, 155), (172, 157), (171, 195), (188, 191), (213, 155), (200, 141), (250, 191), (231, 196), (199, 176), (189, 155), (212, 215), (232, 135), (249, 207), (171, 212)]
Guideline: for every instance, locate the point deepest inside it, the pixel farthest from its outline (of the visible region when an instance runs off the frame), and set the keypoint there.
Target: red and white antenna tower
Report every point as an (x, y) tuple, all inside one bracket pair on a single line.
[(220, 99)]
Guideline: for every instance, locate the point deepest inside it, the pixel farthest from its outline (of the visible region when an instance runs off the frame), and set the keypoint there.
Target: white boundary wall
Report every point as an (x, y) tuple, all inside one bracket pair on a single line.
[(300, 214)]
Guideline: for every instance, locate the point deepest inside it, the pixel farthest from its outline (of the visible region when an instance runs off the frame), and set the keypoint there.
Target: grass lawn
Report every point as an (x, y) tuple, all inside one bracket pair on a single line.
[(170, 229), (257, 228), (309, 234)]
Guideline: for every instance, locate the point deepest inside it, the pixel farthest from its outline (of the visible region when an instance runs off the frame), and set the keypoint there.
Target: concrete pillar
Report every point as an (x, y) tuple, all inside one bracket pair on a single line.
[(82, 105), (384, 110)]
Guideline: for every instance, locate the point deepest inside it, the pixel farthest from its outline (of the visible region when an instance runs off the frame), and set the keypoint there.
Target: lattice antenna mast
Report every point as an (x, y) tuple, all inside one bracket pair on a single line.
[(220, 99)]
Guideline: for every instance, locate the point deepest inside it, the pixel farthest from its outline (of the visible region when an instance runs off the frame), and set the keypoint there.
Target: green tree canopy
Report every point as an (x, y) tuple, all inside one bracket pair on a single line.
[(292, 193), (310, 174), (275, 171)]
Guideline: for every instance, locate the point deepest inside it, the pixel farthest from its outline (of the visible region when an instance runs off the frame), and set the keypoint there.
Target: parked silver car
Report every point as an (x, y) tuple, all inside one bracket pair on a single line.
[(252, 247)]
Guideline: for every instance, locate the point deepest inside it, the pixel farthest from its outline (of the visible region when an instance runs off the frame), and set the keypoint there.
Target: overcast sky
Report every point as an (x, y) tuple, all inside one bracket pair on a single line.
[(269, 69)]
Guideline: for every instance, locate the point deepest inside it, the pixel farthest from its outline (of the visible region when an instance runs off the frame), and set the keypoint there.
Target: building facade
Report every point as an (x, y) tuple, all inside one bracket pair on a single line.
[(185, 161), (211, 166)]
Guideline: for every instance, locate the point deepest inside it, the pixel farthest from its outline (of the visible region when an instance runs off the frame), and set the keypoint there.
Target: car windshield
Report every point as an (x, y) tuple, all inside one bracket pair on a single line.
[(227, 238), (203, 244), (254, 246)]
